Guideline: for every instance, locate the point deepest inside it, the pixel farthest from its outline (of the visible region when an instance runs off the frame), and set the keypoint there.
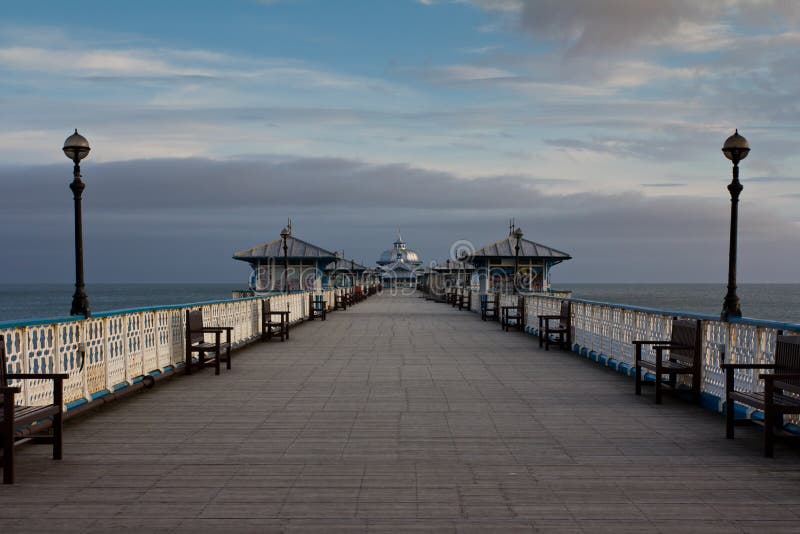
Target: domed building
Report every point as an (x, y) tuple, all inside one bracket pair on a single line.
[(399, 266), (399, 252)]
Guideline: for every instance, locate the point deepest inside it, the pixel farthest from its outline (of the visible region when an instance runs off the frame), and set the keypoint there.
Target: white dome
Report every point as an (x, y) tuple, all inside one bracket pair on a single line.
[(399, 252)]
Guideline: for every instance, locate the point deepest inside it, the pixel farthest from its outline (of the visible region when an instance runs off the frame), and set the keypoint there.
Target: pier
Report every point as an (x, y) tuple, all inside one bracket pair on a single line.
[(402, 414)]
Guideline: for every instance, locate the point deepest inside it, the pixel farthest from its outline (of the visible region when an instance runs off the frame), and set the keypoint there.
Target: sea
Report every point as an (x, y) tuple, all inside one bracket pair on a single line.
[(776, 302)]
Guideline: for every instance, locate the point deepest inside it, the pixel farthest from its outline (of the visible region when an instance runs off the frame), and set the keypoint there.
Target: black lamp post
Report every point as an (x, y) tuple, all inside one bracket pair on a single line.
[(285, 234), (76, 147), (735, 149), (518, 236)]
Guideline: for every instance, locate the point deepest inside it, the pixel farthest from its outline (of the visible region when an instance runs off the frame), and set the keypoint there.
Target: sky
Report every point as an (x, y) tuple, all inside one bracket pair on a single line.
[(595, 124)]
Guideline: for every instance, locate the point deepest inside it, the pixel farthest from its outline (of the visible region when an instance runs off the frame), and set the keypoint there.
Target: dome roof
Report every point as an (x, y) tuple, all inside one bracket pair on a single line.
[(399, 253)]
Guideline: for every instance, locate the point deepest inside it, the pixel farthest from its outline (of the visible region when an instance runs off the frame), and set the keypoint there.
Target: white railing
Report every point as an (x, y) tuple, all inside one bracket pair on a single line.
[(605, 332), (112, 350)]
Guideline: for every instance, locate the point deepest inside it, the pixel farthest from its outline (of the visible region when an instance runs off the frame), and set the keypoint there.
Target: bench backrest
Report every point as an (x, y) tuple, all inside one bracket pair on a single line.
[(566, 314), (194, 323), (3, 370), (266, 307), (687, 333), (787, 360), (316, 303)]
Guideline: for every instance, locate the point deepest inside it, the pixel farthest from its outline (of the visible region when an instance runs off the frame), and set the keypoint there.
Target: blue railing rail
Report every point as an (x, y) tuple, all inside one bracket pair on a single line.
[(68, 319)]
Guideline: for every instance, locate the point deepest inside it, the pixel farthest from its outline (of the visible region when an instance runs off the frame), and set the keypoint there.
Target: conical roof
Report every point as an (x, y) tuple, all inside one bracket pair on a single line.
[(296, 249), (527, 249)]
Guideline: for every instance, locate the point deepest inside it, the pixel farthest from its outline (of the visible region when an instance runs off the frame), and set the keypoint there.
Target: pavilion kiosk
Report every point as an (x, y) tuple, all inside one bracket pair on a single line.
[(424, 276), (297, 267), (347, 278), (495, 265), (451, 280), (344, 273)]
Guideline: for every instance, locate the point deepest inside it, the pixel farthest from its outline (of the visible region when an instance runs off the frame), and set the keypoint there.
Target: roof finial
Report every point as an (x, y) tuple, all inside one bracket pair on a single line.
[(511, 226), (399, 237)]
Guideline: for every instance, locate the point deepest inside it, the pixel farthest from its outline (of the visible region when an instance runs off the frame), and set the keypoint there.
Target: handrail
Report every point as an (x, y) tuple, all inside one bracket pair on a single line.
[(123, 311)]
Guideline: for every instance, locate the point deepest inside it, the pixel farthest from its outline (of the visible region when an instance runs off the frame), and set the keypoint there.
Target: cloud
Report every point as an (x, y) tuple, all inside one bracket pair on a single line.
[(594, 28), (147, 65), (658, 146), (94, 62), (473, 72), (775, 179), (186, 183), (146, 220)]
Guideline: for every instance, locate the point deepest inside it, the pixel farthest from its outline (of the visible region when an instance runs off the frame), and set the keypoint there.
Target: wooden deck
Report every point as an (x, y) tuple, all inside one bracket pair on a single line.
[(402, 415)]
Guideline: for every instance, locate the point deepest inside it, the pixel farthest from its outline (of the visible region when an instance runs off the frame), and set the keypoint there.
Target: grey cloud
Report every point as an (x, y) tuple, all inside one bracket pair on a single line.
[(166, 183), (591, 26), (596, 27), (663, 147), (775, 179), (151, 220)]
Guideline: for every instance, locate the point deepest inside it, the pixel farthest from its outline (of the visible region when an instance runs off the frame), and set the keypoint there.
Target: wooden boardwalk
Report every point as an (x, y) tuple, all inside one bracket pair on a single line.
[(403, 415)]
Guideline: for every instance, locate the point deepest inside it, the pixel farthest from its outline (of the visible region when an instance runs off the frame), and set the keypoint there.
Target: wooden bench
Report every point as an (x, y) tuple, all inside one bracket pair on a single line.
[(685, 357), (489, 308), (780, 395), (316, 307), (513, 316), (39, 424), (465, 300), (340, 301), (196, 342), (452, 297), (559, 325), (270, 326)]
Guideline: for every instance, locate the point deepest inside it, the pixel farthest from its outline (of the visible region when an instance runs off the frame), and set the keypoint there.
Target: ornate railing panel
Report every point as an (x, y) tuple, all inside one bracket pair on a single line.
[(112, 349)]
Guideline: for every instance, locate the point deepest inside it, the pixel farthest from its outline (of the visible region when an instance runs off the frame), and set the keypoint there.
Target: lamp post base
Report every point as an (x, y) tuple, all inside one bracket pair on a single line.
[(731, 308), (80, 305)]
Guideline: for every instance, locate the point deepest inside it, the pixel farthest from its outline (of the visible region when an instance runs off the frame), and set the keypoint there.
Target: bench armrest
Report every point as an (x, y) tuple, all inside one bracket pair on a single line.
[(36, 376), (747, 365), (545, 319), (651, 342), (779, 376), (663, 346), (10, 389), (211, 329)]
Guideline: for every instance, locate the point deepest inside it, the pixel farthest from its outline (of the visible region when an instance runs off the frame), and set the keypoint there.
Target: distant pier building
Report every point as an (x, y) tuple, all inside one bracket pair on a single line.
[(399, 266)]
